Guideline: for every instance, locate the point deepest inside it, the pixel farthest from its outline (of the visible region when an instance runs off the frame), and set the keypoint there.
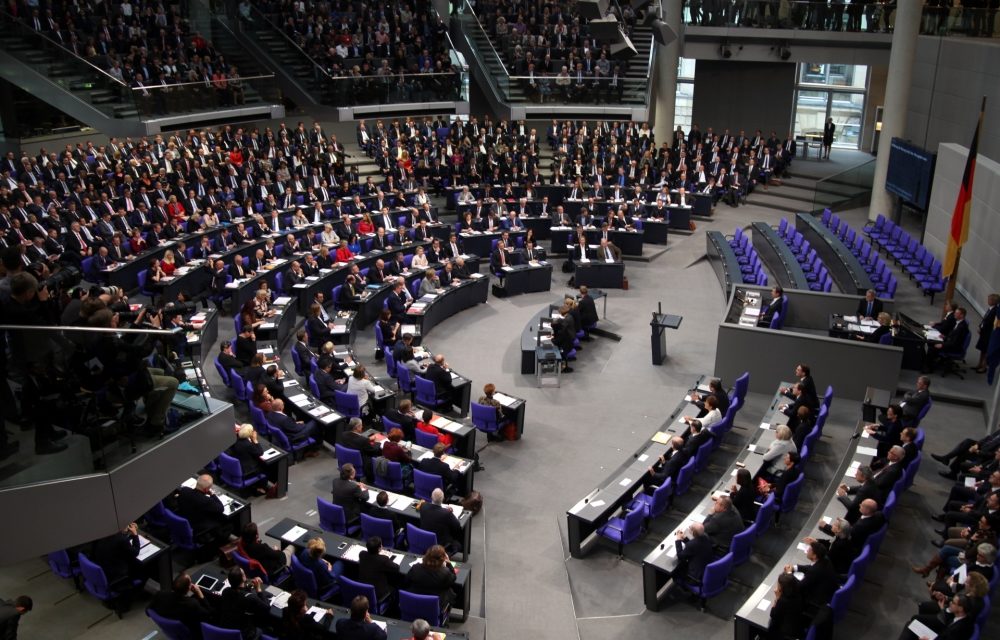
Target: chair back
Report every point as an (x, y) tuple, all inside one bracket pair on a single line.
[(633, 525), (875, 539), (231, 470), (890, 505), (212, 632), (425, 483), (222, 372), (297, 361), (388, 425), (379, 338), (425, 439), (828, 397), (685, 477), (405, 380), (60, 564), (181, 533), (393, 479), (238, 385), (765, 515), (841, 598), (661, 498), (716, 577), (331, 517), (346, 454), (741, 385), (251, 567), (426, 393), (484, 417), (790, 497), (304, 578), (414, 605), (860, 564), (775, 321), (372, 526), (259, 420), (347, 404), (419, 540), (701, 457), (390, 363), (313, 386), (172, 629), (742, 545), (94, 579), (349, 589), (923, 412)]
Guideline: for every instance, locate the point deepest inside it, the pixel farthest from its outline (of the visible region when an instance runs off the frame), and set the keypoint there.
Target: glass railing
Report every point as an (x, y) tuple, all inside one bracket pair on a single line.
[(90, 399), (231, 92), (397, 88), (247, 18), (847, 188), (487, 57), (82, 77), (876, 16)]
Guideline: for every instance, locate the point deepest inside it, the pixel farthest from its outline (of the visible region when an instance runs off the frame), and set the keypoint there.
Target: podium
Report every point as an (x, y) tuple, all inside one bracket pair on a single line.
[(657, 334)]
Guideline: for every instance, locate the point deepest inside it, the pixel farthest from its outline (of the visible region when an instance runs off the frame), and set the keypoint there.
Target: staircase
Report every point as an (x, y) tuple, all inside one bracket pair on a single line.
[(290, 60)]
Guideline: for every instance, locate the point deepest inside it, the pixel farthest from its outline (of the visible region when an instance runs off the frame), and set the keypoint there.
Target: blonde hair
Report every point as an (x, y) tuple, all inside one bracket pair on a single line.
[(245, 431), (316, 547), (783, 432)]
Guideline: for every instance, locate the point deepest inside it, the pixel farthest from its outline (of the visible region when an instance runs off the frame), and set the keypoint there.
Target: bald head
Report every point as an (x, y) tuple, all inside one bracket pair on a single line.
[(696, 530), (868, 507)]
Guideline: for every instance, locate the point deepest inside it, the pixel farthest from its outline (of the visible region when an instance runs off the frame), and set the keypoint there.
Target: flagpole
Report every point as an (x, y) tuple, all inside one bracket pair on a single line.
[(970, 163)]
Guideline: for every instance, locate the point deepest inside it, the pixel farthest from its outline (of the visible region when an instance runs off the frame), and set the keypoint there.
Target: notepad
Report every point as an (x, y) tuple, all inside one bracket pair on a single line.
[(294, 533), (970, 481), (270, 453), (597, 503), (765, 425), (802, 546), (921, 630), (643, 457), (764, 604), (147, 551), (504, 399), (316, 613), (867, 451)]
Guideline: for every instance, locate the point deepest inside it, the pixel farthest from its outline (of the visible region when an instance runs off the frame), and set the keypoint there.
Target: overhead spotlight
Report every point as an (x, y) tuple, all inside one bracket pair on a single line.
[(725, 51), (661, 30), (783, 51)]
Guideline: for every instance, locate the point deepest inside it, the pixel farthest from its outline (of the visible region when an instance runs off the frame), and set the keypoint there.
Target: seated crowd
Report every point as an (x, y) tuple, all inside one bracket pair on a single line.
[(143, 45), (819, 15), (382, 52)]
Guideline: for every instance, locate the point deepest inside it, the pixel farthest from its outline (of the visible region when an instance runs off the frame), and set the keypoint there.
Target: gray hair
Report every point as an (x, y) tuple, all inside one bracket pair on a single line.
[(437, 496), (420, 629)]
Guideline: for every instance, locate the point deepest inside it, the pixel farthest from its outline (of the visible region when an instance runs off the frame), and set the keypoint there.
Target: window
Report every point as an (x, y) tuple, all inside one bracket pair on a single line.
[(684, 104), (835, 91)]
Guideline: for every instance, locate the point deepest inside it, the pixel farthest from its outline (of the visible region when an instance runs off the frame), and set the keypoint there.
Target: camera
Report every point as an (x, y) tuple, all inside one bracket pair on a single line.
[(63, 280)]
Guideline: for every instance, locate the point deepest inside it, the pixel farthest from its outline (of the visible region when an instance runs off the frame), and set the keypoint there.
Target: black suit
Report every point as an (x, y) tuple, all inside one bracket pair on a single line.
[(693, 555), (869, 309), (858, 494), (359, 442), (116, 554), (203, 510), (379, 571), (668, 469), (439, 467), (444, 524), (349, 496), (191, 612), (819, 582), (588, 311), (441, 378), (864, 528)]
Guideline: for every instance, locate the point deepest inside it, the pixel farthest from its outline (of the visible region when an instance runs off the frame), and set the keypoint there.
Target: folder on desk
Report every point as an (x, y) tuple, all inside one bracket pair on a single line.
[(661, 437)]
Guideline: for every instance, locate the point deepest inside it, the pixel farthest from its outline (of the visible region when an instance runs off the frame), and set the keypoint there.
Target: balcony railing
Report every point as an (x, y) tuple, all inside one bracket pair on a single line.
[(152, 101)]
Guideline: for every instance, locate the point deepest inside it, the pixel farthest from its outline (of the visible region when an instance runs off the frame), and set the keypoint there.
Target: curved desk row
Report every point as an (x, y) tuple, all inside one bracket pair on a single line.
[(629, 241), (723, 260), (457, 297), (778, 258), (699, 204), (844, 267), (587, 515)]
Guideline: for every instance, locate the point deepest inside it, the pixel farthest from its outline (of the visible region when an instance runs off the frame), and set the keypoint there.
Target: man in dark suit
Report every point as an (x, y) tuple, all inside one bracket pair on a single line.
[(955, 623), (819, 579), (954, 342), (437, 466), (328, 379), (438, 519), (438, 373), (852, 496), (401, 416), (870, 306), (396, 302), (774, 306), (870, 522), (886, 477), (117, 554), (203, 510), (667, 465), (353, 438), (349, 494), (696, 436), (723, 523), (296, 430), (694, 552), (914, 401), (175, 603), (588, 309), (378, 570)]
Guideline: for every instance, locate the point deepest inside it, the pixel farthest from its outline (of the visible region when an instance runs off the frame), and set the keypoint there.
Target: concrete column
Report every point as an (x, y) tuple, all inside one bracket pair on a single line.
[(665, 69), (897, 97)]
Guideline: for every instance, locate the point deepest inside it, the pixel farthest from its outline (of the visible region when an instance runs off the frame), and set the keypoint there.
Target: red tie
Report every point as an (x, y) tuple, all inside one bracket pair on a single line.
[(83, 245)]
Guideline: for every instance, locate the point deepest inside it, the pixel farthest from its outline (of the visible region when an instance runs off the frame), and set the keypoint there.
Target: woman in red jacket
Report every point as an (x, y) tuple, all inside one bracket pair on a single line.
[(344, 254)]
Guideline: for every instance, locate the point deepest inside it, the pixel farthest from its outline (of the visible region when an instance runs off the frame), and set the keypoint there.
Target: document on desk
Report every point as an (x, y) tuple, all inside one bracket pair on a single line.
[(625, 482), (921, 630), (643, 457), (280, 600), (764, 604), (751, 447), (299, 399), (316, 412), (400, 503), (353, 553), (765, 425), (282, 300), (150, 549), (504, 399), (294, 533), (698, 517), (190, 483), (585, 260), (317, 613), (270, 453), (330, 417), (867, 451)]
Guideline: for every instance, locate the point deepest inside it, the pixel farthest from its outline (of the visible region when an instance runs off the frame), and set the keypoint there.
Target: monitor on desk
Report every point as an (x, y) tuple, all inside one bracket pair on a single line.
[(910, 324)]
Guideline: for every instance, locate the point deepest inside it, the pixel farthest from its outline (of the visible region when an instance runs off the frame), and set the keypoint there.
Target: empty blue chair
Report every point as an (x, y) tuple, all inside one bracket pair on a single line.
[(427, 395), (741, 385), (62, 566), (381, 527), (390, 363), (347, 404), (653, 505), (714, 581), (349, 589), (742, 545), (419, 540), (345, 455), (685, 477), (623, 531), (393, 479), (181, 533), (222, 373), (172, 629), (414, 605), (790, 496), (425, 483), (332, 518), (484, 418), (238, 385), (405, 381), (841, 598), (212, 632), (232, 473), (297, 361)]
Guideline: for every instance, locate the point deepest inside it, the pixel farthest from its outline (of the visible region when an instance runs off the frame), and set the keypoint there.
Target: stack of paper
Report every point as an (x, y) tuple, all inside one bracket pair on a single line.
[(294, 533)]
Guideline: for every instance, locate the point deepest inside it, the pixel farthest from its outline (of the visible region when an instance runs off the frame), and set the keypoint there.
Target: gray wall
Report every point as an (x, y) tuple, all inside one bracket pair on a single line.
[(950, 77), (979, 271), (744, 95), (770, 356)]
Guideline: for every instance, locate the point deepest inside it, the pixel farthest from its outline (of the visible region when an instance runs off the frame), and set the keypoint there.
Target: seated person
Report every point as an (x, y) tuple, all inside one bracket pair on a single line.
[(184, 602), (437, 466), (295, 430), (329, 379), (377, 569), (359, 625), (433, 575), (297, 622), (272, 558), (312, 559)]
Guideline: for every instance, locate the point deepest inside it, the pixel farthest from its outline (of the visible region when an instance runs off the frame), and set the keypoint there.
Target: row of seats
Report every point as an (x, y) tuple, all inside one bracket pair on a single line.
[(883, 279), (750, 265), (812, 265), (908, 253)]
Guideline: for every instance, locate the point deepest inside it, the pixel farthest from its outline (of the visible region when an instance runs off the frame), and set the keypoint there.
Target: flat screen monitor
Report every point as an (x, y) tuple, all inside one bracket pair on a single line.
[(910, 173)]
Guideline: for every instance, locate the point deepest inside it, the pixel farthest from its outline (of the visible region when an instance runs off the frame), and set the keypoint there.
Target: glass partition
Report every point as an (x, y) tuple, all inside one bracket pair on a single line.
[(90, 399), (232, 91), (850, 187), (396, 88)]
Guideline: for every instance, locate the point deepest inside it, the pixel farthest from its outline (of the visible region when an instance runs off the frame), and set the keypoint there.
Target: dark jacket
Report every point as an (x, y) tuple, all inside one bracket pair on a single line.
[(379, 571)]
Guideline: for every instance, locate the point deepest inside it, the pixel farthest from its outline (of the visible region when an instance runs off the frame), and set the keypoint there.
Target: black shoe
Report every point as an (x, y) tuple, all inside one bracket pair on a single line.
[(49, 447), (941, 459), (938, 518), (942, 532), (568, 370), (951, 475), (937, 543), (58, 434)]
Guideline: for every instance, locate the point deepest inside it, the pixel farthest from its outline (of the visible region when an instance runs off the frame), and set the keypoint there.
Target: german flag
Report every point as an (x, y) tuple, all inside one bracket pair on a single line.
[(963, 205)]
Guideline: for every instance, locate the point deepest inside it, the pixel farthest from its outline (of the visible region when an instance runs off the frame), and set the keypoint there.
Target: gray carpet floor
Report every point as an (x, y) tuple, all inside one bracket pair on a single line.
[(526, 584)]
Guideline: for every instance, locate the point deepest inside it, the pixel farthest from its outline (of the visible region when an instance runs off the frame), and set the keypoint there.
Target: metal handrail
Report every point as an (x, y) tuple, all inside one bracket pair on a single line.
[(75, 329), (199, 83), (856, 167), (468, 9), (395, 75), (4, 13), (277, 29)]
